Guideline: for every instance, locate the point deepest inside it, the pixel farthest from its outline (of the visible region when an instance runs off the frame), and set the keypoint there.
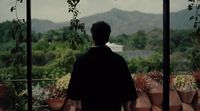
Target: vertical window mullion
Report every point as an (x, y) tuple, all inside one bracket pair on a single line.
[(29, 54), (166, 52)]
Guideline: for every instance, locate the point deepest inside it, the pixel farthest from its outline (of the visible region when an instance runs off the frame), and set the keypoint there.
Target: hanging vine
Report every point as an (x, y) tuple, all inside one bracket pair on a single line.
[(75, 25), (194, 52), (18, 33), (195, 5)]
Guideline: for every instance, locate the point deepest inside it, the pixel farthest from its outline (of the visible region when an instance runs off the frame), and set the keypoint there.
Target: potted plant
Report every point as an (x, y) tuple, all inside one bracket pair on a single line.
[(187, 107), (156, 90), (39, 96), (186, 87), (56, 93), (156, 108), (196, 75), (141, 83), (174, 99), (7, 95)]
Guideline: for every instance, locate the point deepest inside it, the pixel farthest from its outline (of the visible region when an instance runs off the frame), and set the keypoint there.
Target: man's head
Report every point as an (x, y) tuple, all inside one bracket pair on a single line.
[(100, 32)]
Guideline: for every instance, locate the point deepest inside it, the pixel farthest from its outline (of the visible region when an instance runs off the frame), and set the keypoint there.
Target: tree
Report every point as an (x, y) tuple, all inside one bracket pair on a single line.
[(194, 53), (140, 40)]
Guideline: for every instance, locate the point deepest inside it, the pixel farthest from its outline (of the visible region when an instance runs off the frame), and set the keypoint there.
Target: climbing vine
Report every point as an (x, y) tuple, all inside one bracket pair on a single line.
[(76, 26), (194, 52), (194, 5), (18, 33)]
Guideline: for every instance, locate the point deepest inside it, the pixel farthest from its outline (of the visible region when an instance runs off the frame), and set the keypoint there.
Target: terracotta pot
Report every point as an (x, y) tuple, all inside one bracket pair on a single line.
[(156, 108), (187, 96), (156, 94), (69, 105), (197, 101), (187, 107), (1, 109), (55, 104), (174, 101), (3, 91), (143, 103)]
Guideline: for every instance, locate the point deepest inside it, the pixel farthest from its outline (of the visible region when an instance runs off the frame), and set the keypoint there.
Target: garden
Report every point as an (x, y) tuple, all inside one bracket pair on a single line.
[(184, 93)]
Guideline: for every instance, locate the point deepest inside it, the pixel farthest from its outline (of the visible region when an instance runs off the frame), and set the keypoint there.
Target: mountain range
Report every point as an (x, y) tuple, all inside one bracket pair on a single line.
[(121, 21)]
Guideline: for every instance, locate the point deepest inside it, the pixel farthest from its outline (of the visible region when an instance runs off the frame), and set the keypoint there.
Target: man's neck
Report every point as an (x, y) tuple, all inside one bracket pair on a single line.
[(98, 45), (94, 45)]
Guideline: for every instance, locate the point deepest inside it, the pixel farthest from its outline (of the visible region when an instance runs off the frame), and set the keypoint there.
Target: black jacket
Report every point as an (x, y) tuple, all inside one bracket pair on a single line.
[(101, 80)]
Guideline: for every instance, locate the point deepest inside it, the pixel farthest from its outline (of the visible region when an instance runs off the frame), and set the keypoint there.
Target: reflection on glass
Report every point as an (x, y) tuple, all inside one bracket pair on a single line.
[(184, 80)]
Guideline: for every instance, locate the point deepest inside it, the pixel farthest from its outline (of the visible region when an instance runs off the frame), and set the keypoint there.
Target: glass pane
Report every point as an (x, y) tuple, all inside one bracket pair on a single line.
[(136, 35), (13, 95), (184, 55)]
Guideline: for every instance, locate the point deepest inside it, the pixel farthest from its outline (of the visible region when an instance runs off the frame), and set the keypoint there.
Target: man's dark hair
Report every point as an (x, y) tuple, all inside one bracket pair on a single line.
[(100, 32)]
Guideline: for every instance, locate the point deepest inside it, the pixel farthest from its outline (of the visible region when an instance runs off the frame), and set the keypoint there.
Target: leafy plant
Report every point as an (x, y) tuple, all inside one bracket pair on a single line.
[(8, 96), (38, 93), (157, 76), (196, 75), (75, 25), (141, 82), (58, 89), (62, 83), (185, 82)]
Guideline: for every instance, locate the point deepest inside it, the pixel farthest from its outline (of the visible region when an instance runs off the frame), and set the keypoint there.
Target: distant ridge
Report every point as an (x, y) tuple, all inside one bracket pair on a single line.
[(122, 21), (41, 26)]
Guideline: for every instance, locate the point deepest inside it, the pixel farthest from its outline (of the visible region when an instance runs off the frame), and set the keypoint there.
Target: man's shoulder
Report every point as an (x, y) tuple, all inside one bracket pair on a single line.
[(117, 56), (89, 55), (82, 57)]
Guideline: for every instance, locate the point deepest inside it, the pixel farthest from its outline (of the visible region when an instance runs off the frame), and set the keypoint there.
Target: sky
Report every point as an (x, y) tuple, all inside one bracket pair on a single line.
[(57, 10)]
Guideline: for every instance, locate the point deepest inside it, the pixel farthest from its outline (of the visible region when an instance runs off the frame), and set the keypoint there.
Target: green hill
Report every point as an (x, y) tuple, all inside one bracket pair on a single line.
[(121, 21)]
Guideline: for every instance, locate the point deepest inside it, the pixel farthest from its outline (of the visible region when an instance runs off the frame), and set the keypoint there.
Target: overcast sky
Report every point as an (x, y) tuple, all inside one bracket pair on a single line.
[(56, 10)]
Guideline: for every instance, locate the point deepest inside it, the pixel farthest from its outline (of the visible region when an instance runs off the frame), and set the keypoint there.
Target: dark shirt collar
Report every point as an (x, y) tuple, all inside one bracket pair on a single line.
[(99, 48)]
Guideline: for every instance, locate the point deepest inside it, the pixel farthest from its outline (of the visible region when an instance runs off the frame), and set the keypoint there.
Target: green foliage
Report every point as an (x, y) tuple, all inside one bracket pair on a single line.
[(38, 58), (179, 62), (76, 27), (194, 53), (6, 46), (12, 73), (148, 64), (181, 40), (4, 31), (139, 42), (5, 59), (67, 59), (42, 44), (155, 40), (9, 99)]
